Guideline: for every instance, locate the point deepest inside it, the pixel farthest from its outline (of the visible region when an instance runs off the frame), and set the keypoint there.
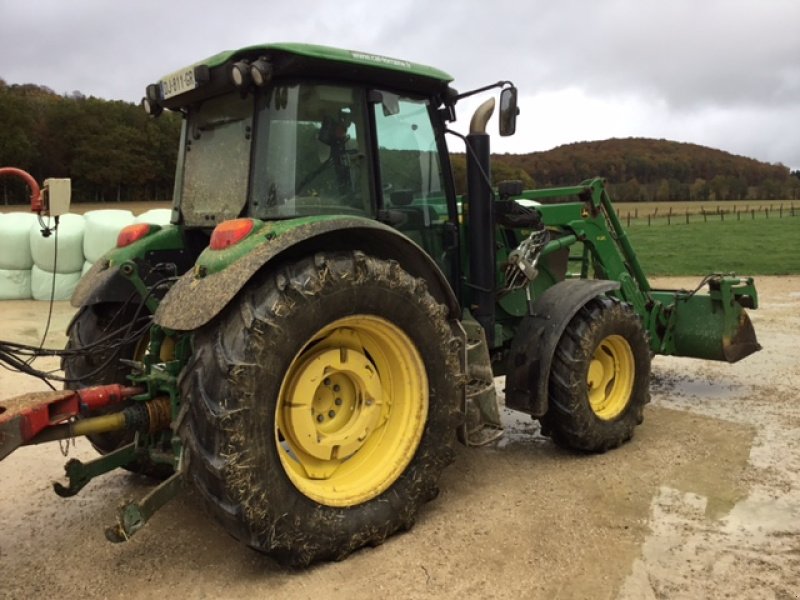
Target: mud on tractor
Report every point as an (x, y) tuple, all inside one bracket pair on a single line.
[(325, 316)]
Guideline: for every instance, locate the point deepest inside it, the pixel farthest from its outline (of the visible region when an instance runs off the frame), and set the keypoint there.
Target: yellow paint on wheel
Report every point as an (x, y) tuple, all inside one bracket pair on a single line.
[(351, 411), (610, 377)]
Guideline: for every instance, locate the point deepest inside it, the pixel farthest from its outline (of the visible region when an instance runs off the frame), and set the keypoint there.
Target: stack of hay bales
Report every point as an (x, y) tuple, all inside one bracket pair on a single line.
[(29, 264), (102, 229), (15, 256), (155, 216), (55, 274)]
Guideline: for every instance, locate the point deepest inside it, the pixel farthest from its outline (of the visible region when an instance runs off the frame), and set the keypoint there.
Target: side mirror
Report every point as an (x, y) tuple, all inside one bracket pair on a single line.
[(508, 111)]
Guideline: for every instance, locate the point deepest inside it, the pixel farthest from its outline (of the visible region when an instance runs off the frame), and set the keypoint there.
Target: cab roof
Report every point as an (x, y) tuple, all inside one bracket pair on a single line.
[(328, 54), (313, 61)]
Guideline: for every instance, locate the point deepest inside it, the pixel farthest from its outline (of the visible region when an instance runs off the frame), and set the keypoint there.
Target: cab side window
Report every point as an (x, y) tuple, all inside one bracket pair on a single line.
[(410, 170)]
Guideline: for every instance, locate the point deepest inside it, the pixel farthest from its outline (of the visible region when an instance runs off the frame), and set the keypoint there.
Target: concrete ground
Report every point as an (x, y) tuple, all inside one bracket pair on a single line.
[(703, 503)]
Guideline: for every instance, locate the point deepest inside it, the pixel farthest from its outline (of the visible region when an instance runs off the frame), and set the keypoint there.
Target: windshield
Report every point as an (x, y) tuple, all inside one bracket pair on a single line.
[(311, 152), (216, 160)]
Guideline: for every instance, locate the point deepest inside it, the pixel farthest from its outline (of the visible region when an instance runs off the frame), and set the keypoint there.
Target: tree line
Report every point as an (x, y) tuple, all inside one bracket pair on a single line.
[(646, 170), (111, 149)]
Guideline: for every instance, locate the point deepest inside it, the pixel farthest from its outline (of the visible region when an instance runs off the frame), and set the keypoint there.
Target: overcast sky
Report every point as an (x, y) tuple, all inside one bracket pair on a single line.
[(722, 73)]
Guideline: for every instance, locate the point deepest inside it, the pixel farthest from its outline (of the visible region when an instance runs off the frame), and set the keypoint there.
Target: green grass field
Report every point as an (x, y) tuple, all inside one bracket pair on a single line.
[(747, 247)]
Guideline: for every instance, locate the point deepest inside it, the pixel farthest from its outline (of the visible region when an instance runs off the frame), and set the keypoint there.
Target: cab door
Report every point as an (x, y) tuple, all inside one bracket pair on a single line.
[(411, 181)]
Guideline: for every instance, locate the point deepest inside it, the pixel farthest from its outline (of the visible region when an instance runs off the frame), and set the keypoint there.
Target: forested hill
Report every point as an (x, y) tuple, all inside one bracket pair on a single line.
[(111, 149), (640, 169)]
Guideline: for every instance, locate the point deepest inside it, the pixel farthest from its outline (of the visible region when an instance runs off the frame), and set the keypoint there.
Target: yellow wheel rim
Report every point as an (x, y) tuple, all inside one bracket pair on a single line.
[(610, 377), (351, 411)]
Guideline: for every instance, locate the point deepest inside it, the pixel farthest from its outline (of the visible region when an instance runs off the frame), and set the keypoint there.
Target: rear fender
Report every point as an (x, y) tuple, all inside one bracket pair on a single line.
[(202, 293), (528, 362), (104, 283)]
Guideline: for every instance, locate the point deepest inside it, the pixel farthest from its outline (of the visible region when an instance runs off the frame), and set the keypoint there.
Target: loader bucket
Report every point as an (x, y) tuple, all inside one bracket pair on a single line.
[(716, 326)]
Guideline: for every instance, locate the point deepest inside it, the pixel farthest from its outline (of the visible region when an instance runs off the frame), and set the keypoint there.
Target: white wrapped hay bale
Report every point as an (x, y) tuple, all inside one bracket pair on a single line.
[(155, 216), (102, 229), (15, 284), (42, 284), (70, 245), (15, 250)]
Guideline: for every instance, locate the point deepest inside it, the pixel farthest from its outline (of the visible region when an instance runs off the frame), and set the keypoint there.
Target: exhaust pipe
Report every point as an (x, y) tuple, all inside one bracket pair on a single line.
[(480, 221)]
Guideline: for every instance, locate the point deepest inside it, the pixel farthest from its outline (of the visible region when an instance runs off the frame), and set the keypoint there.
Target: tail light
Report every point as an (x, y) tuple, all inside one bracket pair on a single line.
[(229, 233), (132, 233)]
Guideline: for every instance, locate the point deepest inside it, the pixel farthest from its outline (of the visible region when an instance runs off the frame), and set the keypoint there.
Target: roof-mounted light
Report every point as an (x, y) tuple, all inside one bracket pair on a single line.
[(152, 100), (261, 72), (153, 92), (151, 108), (240, 73)]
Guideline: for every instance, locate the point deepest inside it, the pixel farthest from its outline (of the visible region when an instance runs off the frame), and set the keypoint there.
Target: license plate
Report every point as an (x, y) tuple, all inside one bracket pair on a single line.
[(178, 82)]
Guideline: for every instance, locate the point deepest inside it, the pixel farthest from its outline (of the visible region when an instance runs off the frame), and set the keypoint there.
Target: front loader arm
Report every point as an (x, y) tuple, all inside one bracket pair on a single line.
[(712, 325)]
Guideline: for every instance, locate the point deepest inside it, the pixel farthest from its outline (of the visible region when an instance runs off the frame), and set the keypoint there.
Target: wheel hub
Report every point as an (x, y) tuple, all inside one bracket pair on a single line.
[(351, 410), (609, 379), (334, 403)]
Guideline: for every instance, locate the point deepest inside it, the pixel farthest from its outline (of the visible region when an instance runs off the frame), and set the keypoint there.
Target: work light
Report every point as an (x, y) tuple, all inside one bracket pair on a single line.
[(261, 72), (240, 73)]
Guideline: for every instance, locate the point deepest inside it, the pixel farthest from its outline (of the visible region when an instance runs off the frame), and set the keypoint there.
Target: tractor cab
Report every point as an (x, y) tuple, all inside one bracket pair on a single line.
[(283, 131)]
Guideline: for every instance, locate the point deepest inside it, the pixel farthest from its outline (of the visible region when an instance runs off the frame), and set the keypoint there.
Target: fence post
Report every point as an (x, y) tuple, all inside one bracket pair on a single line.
[(648, 219), (629, 218), (687, 216), (753, 213)]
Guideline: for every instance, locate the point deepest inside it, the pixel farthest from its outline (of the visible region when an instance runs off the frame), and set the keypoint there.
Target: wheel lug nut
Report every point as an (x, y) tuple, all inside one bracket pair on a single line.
[(338, 401), (331, 413), (336, 388), (320, 418), (327, 381)]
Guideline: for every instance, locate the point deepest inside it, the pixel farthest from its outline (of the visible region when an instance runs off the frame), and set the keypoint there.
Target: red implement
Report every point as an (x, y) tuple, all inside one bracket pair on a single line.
[(24, 417)]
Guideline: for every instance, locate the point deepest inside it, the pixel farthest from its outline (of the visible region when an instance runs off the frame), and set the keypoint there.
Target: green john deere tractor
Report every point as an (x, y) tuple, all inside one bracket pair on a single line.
[(325, 317)]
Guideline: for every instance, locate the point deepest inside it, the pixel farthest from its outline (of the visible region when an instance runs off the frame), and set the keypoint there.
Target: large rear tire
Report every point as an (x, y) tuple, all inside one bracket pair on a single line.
[(599, 378), (322, 406)]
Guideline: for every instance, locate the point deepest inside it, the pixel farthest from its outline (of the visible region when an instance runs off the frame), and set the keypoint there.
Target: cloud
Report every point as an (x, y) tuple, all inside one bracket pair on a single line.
[(718, 72)]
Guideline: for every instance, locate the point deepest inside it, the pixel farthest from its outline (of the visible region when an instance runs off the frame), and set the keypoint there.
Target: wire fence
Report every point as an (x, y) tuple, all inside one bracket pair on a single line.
[(685, 215)]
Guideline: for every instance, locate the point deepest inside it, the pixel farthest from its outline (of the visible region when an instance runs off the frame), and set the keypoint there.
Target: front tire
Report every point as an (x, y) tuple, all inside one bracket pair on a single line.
[(322, 406), (599, 378)]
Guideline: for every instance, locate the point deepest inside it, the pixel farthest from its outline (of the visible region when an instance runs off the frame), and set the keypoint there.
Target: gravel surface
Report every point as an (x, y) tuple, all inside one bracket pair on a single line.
[(703, 503)]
